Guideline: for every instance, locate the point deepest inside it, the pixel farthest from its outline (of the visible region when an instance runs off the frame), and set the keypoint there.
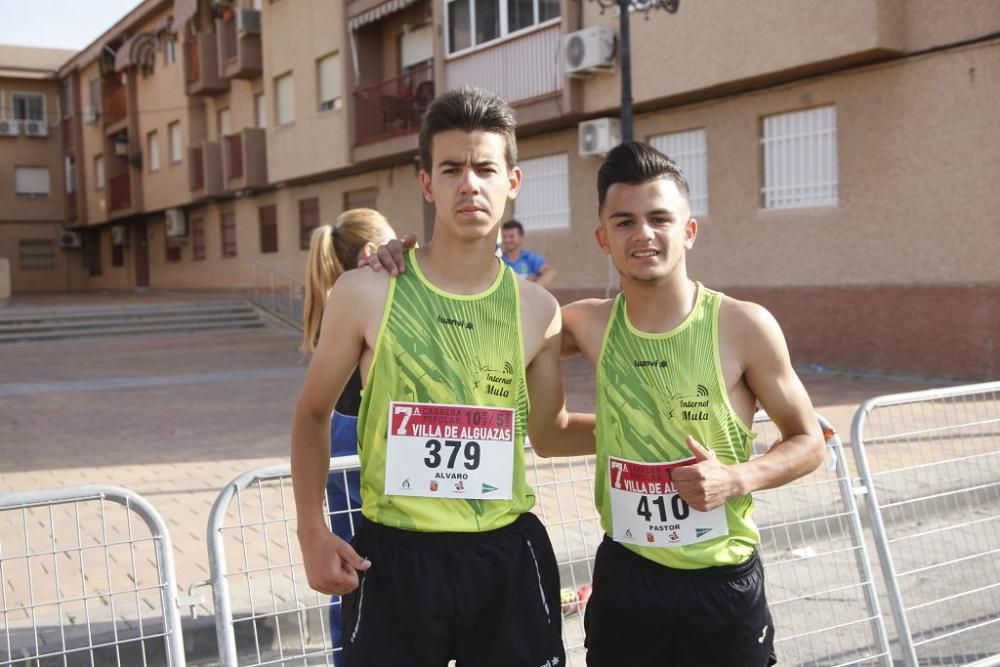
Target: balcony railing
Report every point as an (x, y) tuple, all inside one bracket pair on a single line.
[(517, 69), (205, 170), (393, 107), (244, 161), (121, 191), (201, 66), (234, 148), (115, 102)]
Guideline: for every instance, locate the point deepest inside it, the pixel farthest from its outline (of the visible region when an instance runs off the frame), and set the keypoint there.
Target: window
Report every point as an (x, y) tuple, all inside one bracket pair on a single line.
[(260, 110), (688, 150), (28, 106), (117, 255), (31, 181), (70, 165), (229, 234), (284, 104), (173, 250), (66, 99), (95, 93), (169, 52), (222, 122), (308, 220), (153, 151), (176, 149), (98, 172), (475, 22), (328, 72), (365, 198), (800, 159), (37, 254), (268, 216), (543, 202), (198, 239)]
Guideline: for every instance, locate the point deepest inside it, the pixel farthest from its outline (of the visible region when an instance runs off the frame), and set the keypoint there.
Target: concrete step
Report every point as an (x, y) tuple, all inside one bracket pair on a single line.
[(69, 314), (132, 330), (28, 324)]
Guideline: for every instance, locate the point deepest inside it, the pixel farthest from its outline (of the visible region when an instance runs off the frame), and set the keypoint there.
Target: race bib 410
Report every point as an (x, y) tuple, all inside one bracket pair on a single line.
[(449, 451), (646, 509)]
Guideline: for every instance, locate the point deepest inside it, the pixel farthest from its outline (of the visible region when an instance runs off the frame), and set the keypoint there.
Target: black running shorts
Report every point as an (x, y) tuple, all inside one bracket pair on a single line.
[(643, 614), (483, 599)]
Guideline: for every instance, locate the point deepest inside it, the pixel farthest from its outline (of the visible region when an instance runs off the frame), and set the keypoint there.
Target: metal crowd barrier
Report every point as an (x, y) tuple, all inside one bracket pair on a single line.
[(930, 463), (109, 599), (816, 568)]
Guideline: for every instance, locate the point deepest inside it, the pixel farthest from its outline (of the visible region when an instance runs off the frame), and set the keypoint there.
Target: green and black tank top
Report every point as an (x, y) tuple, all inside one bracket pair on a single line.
[(652, 391), (435, 347)]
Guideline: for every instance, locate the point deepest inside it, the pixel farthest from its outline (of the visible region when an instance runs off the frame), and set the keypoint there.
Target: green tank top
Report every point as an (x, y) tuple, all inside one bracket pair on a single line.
[(438, 348), (652, 391)]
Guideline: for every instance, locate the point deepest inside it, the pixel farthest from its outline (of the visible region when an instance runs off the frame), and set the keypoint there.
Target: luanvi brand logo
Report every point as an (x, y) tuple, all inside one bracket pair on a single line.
[(650, 363), (451, 321)]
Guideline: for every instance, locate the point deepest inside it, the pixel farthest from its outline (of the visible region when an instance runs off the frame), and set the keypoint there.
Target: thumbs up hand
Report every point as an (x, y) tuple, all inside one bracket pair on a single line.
[(705, 484)]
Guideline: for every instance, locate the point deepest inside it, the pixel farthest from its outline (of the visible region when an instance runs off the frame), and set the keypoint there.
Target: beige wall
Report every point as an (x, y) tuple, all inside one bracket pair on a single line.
[(295, 35), (22, 151), (66, 275)]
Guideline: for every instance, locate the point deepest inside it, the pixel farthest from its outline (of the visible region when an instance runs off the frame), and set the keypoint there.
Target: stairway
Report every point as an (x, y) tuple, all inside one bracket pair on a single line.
[(41, 324)]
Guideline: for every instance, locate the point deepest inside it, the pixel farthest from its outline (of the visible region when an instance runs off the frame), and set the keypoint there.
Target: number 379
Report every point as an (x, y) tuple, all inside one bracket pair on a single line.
[(435, 453)]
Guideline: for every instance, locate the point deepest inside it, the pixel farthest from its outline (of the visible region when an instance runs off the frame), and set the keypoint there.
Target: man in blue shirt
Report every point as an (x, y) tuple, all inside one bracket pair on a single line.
[(525, 263)]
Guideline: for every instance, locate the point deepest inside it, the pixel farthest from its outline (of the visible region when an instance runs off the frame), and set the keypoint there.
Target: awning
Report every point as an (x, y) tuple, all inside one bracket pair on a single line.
[(375, 13), (137, 50), (184, 11)]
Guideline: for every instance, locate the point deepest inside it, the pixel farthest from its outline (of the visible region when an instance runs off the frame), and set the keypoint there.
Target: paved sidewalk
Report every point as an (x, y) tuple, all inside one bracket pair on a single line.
[(174, 418)]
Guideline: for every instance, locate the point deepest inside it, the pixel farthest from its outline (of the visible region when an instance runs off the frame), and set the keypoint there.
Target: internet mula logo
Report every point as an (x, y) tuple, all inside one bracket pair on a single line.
[(702, 391), (507, 368)]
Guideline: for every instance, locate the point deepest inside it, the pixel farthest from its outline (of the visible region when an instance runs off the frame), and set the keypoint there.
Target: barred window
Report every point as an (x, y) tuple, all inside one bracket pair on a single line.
[(268, 221), (308, 220), (687, 149), (543, 201), (37, 254), (800, 159), (229, 234)]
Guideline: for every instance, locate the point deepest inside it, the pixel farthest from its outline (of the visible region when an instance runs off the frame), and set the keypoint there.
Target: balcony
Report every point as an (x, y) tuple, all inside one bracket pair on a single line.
[(201, 66), (120, 188), (518, 69), (239, 44), (244, 159), (67, 132), (115, 104), (393, 107), (205, 170)]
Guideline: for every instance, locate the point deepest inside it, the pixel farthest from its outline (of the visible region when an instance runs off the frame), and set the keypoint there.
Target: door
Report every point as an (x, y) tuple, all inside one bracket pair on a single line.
[(141, 246)]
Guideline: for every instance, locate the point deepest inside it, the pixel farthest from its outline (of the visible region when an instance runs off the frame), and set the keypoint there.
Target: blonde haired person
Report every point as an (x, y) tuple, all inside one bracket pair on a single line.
[(333, 250)]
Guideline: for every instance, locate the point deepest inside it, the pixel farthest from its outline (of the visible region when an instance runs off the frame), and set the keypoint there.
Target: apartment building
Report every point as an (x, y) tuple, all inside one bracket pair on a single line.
[(34, 185), (842, 156)]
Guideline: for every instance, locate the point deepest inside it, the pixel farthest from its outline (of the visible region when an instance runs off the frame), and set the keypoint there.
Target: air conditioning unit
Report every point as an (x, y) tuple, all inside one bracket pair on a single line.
[(600, 135), (34, 128), (119, 235), (90, 115), (176, 223), (9, 128), (70, 240), (589, 50), (248, 21)]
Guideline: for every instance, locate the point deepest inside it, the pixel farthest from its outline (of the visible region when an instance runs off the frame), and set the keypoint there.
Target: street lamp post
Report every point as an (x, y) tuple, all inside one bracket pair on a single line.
[(624, 47)]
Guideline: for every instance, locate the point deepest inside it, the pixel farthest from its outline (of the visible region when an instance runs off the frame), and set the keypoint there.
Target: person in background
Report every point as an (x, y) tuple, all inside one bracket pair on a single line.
[(525, 263), (333, 249)]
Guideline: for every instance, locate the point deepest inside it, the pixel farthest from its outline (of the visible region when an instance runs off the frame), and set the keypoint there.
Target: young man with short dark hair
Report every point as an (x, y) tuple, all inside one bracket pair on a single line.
[(450, 562)]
